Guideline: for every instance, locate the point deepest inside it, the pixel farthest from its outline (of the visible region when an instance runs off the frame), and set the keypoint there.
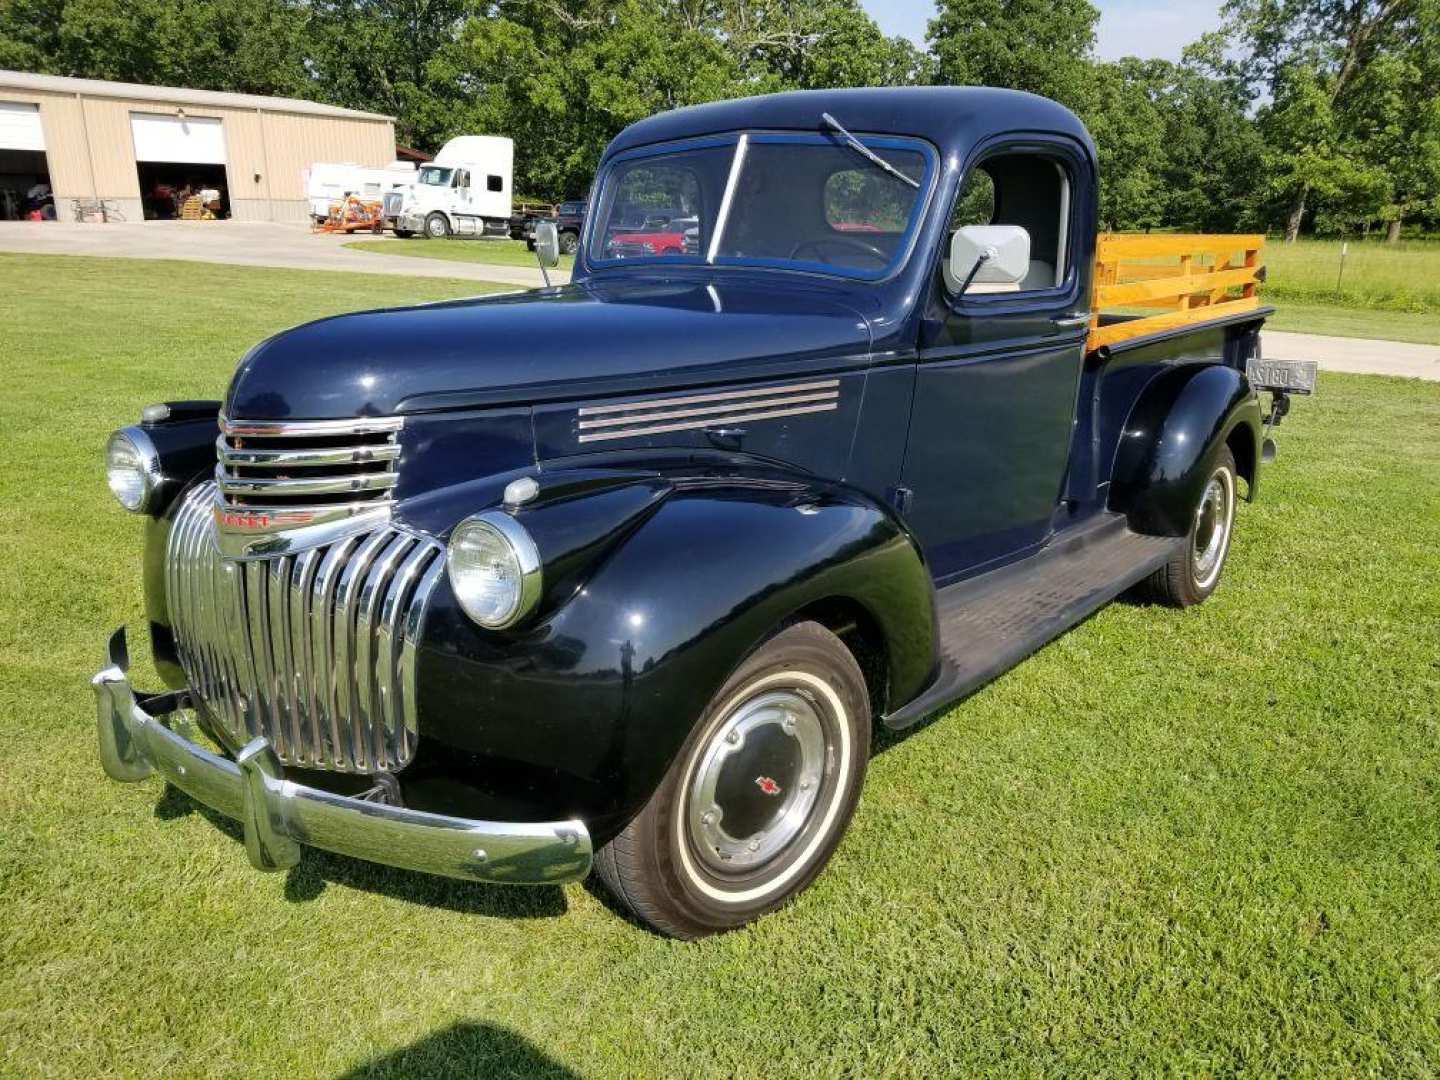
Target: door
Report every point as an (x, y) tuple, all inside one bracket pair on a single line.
[(20, 127), (999, 369), (189, 140)]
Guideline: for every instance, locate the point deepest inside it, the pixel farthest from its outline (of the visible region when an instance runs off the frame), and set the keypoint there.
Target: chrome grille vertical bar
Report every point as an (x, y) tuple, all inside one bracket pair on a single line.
[(346, 597), (368, 732), (388, 639), (257, 623), (277, 605), (323, 665), (303, 682), (238, 631), (206, 658), (414, 623)]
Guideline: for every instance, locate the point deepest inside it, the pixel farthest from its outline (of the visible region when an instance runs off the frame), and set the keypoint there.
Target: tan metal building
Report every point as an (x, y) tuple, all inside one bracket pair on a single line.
[(124, 143)]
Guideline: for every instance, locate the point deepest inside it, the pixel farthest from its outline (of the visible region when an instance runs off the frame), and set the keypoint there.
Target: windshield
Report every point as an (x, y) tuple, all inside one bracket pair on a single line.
[(435, 174), (794, 201)]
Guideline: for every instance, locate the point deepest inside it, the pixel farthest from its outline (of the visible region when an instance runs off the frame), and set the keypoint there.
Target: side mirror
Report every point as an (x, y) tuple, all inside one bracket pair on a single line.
[(988, 258), (547, 244)]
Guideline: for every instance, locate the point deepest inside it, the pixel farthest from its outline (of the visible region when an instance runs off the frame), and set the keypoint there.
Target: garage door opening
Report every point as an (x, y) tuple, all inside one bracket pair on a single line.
[(181, 162), (24, 170), (178, 190)]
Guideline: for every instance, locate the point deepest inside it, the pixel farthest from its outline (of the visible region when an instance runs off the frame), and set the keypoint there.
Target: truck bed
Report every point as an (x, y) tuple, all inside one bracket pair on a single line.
[(1146, 283)]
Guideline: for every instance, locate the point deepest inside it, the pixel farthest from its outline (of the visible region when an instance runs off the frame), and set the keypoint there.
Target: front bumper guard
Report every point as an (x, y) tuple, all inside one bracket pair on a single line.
[(279, 815)]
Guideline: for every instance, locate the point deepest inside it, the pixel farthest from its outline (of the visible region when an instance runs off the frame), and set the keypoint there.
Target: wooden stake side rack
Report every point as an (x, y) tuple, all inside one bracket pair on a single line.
[(1165, 280)]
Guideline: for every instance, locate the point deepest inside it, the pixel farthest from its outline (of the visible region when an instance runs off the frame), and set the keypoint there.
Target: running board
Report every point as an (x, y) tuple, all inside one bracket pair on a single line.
[(988, 624)]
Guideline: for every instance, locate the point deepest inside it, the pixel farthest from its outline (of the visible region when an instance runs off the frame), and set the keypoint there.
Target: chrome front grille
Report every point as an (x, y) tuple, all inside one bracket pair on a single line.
[(315, 650), (313, 464)]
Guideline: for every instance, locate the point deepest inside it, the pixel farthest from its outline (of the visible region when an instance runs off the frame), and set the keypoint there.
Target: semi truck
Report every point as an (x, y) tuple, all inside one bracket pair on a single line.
[(466, 191)]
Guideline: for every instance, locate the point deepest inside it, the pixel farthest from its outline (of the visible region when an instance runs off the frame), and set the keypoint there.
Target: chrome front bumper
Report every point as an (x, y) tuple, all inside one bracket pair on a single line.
[(279, 815)]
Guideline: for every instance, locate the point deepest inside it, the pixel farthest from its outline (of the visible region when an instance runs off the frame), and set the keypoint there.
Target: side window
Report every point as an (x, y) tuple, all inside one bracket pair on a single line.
[(494, 183), (1028, 189), (462, 178)]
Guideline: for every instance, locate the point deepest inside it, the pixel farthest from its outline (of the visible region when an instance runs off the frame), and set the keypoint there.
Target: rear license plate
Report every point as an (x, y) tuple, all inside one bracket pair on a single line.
[(1291, 376)]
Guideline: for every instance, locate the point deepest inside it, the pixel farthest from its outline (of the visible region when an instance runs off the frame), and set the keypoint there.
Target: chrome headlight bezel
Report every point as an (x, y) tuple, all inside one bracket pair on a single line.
[(145, 467), (509, 537)]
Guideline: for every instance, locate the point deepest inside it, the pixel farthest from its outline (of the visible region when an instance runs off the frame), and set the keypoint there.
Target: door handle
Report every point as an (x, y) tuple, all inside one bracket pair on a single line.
[(1071, 322)]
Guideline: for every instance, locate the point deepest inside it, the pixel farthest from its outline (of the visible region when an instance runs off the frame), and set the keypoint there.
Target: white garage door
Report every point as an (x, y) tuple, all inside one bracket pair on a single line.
[(193, 140), (20, 127)]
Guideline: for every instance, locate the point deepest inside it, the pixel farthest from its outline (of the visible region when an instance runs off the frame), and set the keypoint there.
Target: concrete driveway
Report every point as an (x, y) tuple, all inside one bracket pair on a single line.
[(1361, 355), (294, 247), (245, 243)]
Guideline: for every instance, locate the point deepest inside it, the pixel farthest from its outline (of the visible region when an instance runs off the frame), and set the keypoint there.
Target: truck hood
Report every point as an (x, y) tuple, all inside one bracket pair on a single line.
[(544, 345)]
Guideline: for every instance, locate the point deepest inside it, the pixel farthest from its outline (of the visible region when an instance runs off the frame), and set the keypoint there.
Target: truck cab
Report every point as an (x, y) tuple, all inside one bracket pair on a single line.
[(621, 576), (466, 191)]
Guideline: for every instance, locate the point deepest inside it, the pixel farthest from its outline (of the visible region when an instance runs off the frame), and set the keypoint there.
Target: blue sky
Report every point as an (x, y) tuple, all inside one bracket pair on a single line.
[(1148, 28)]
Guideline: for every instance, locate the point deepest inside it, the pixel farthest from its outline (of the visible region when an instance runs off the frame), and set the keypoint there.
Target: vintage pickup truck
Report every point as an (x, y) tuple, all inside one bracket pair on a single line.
[(620, 574)]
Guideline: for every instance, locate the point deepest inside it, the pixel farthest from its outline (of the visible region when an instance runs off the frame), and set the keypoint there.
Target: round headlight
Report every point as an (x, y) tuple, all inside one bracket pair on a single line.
[(494, 569), (132, 468)]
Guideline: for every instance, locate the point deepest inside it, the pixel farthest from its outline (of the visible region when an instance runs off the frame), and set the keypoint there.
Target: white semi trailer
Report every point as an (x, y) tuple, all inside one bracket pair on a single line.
[(330, 182), (465, 191)]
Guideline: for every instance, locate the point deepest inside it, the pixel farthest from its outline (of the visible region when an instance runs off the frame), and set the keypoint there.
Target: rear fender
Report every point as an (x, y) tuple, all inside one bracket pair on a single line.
[(1171, 439), (591, 703)]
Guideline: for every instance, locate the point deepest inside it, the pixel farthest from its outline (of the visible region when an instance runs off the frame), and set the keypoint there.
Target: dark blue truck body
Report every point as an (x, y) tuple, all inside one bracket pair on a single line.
[(904, 444)]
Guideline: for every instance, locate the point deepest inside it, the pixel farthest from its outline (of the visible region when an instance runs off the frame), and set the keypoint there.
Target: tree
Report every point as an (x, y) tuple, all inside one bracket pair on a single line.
[(1308, 56), (241, 45), (1043, 47)]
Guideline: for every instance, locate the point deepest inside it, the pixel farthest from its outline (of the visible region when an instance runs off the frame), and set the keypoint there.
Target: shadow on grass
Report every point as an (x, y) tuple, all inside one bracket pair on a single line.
[(318, 869), (465, 1049)]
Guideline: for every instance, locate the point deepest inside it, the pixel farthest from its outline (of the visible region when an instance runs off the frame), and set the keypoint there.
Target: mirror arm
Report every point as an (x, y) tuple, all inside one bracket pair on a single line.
[(985, 256)]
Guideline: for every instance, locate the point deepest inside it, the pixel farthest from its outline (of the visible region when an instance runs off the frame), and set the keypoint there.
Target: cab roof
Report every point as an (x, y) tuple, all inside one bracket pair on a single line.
[(952, 117)]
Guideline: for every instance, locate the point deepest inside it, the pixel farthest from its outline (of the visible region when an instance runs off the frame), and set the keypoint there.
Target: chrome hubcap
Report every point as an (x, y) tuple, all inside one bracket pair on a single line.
[(757, 781), (1212, 528)]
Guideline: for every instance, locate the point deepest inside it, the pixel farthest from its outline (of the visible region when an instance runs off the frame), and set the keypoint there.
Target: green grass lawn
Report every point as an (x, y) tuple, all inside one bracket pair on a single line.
[(1403, 277), (1190, 842), (491, 252)]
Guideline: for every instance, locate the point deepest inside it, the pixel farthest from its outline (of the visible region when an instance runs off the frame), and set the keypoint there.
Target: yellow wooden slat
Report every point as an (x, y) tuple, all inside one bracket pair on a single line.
[(1128, 271), (1140, 291), (1109, 335), (1110, 247)]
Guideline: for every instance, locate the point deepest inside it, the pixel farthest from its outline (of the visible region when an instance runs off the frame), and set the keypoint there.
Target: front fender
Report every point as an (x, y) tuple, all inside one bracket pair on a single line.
[(586, 708), (1171, 438)]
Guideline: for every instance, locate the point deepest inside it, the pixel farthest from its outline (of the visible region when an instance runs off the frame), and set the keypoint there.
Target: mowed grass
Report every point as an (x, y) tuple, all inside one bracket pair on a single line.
[(1402, 277), (489, 252), (1189, 842)]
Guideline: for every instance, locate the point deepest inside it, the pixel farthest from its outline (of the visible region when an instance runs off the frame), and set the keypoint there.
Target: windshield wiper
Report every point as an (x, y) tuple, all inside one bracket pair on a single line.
[(870, 155)]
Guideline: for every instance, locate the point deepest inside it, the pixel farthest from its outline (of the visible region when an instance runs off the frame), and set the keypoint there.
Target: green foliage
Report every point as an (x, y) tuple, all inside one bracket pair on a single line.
[(1038, 45)]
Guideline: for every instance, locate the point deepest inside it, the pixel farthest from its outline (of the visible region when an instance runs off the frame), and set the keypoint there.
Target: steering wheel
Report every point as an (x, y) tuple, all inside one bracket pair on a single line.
[(839, 242)]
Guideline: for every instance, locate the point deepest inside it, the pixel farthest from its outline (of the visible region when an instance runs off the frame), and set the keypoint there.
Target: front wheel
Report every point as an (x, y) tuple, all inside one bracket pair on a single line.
[(437, 226), (1193, 571), (569, 243), (757, 800)]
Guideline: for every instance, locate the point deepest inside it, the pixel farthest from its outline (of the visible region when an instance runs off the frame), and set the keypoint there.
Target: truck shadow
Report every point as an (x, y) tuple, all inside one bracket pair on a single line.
[(319, 869), (465, 1049)]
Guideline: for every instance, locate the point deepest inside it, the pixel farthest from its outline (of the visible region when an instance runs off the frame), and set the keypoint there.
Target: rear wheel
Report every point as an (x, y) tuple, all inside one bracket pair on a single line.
[(1193, 571), (757, 801), (437, 226), (569, 243)]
